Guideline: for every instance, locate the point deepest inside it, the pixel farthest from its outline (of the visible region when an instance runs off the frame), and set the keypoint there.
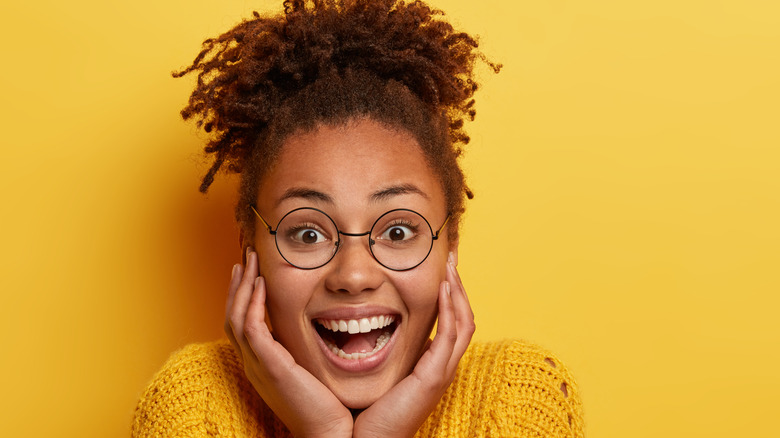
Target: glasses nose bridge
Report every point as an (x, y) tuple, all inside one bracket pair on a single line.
[(367, 233), (343, 233), (339, 244)]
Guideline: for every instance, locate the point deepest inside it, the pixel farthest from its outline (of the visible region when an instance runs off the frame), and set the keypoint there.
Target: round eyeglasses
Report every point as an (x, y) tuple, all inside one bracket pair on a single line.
[(399, 240)]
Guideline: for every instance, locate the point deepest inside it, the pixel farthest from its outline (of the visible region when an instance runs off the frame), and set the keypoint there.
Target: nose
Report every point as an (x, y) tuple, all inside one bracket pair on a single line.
[(353, 269)]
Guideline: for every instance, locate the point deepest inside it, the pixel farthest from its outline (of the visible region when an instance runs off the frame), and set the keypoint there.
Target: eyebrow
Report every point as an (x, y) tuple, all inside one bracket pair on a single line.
[(401, 189), (378, 196), (304, 193)]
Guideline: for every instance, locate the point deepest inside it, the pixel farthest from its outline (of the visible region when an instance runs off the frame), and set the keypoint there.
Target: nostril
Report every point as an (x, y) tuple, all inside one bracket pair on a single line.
[(353, 270)]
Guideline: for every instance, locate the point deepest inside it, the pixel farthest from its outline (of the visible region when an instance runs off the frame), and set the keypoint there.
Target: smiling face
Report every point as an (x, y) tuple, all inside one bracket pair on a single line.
[(355, 173)]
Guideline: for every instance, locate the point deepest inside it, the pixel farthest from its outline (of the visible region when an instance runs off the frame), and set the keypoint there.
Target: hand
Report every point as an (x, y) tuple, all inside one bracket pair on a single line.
[(403, 409), (306, 406)]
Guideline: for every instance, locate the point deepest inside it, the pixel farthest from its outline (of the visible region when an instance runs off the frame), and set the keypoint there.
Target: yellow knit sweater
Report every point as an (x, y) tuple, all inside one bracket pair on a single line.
[(501, 389)]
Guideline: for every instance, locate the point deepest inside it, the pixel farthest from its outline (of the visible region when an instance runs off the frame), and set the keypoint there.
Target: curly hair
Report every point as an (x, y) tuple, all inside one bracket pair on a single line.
[(330, 61)]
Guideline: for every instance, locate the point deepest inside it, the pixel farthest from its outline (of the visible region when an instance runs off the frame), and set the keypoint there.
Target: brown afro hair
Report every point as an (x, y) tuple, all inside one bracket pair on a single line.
[(329, 61)]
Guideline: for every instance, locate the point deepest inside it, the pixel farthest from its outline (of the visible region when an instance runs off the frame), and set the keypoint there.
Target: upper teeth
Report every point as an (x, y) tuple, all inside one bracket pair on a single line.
[(352, 326)]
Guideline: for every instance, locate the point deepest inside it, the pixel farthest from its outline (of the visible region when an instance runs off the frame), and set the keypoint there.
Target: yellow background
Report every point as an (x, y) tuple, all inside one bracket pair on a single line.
[(627, 174)]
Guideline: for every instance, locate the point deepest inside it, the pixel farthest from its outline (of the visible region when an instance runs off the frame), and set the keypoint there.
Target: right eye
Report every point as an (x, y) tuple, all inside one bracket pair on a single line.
[(399, 233), (306, 235)]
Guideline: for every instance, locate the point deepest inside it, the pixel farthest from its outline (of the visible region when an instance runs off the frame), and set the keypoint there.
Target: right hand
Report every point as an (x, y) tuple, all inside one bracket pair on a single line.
[(305, 405)]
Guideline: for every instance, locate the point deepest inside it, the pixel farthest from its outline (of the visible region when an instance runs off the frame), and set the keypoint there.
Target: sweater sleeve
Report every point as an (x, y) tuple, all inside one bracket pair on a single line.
[(202, 391), (501, 389), (539, 396), (508, 389)]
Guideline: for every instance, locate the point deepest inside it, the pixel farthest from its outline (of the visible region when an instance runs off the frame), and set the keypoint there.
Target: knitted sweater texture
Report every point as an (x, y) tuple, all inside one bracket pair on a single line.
[(501, 389)]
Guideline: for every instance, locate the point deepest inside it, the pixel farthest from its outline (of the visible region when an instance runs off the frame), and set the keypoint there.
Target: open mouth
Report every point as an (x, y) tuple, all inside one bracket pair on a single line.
[(356, 338)]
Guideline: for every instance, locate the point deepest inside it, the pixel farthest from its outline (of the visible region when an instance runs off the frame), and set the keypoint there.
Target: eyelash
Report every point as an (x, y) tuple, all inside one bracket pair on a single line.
[(395, 223), (297, 228), (404, 223)]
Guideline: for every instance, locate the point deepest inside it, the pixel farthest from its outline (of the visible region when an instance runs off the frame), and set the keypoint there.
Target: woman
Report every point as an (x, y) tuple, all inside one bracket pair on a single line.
[(344, 119)]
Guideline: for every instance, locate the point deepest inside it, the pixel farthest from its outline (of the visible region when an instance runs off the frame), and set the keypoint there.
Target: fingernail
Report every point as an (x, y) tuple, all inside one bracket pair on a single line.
[(235, 271), (451, 258), (447, 287)]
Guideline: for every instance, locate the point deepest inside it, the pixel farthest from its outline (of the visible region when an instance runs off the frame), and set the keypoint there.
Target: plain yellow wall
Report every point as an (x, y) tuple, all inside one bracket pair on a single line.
[(627, 174)]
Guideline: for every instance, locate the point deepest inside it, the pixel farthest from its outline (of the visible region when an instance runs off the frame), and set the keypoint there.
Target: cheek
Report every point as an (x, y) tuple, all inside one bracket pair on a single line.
[(287, 294), (420, 291)]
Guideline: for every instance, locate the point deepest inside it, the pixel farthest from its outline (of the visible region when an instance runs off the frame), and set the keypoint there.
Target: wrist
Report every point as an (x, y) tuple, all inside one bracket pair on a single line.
[(340, 429)]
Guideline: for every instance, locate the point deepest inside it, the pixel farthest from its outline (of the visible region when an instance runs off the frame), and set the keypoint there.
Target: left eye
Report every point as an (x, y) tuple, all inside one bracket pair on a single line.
[(308, 236), (398, 233)]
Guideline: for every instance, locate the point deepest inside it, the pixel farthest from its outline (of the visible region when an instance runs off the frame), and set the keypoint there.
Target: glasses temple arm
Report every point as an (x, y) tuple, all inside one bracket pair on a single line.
[(436, 236), (268, 227)]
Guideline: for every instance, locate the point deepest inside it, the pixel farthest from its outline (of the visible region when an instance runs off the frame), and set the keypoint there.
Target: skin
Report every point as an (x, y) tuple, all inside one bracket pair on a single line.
[(347, 166)]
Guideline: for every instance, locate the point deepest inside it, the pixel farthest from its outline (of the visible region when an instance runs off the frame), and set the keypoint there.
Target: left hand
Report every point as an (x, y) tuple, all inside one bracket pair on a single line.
[(403, 409), (303, 403)]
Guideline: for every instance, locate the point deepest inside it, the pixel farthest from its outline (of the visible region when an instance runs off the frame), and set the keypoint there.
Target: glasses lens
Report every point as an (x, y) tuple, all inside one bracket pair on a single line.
[(401, 239), (307, 238)]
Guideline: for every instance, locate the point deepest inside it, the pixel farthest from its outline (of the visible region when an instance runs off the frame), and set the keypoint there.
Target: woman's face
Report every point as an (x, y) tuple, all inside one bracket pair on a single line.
[(354, 173)]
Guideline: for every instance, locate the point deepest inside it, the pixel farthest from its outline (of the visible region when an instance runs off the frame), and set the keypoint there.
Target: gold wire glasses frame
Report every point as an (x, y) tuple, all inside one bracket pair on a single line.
[(312, 223)]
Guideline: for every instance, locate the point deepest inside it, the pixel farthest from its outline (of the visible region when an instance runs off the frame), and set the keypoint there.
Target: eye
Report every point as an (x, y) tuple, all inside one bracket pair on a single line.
[(306, 234), (399, 232)]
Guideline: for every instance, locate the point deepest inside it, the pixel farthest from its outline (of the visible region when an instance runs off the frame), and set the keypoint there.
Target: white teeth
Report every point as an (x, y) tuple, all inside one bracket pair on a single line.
[(380, 343), (352, 326)]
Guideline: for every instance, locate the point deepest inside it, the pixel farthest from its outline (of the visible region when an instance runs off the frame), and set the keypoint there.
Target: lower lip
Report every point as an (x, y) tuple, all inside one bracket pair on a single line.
[(358, 365)]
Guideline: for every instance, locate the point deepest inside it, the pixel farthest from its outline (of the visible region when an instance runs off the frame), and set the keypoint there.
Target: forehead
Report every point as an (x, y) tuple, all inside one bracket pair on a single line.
[(350, 162)]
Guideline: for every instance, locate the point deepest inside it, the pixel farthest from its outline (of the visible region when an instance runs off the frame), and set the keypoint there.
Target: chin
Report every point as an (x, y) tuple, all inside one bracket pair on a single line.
[(359, 394), (358, 401)]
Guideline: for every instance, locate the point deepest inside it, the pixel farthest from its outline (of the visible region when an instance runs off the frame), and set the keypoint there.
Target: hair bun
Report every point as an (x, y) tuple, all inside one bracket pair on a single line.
[(246, 73)]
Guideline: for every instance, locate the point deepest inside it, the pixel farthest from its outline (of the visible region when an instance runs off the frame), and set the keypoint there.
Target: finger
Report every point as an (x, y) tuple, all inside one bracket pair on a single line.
[(252, 265), (242, 296), (438, 355), (235, 281), (454, 276), (464, 317), (446, 328), (258, 339), (255, 327)]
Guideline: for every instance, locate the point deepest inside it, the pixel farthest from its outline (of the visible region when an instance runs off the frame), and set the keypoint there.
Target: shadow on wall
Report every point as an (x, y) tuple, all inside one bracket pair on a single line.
[(206, 247)]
